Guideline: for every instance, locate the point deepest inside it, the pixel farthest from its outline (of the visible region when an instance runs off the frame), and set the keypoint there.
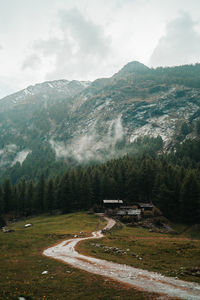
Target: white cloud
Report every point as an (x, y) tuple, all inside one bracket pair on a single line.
[(179, 45), (31, 62), (81, 49), (6, 87), (88, 39)]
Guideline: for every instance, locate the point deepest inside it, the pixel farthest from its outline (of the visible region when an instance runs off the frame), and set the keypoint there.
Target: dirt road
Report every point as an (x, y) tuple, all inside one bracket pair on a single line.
[(138, 278)]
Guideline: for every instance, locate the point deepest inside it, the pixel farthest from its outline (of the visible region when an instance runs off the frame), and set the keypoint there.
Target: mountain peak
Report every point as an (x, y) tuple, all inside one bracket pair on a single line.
[(132, 67)]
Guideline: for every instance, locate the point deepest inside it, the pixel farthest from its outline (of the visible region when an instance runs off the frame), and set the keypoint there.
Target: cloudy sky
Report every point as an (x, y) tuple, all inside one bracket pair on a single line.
[(86, 39)]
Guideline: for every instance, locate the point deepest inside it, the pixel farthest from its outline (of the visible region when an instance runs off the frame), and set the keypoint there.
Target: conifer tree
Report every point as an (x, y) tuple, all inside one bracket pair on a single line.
[(147, 177), (22, 196), (2, 221), (190, 198), (95, 180), (65, 193), (30, 197), (7, 196), (40, 194), (1, 201), (132, 193), (49, 196)]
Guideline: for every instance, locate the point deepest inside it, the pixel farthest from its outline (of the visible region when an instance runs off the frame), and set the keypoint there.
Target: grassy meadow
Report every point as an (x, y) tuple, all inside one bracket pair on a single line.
[(22, 262), (176, 255)]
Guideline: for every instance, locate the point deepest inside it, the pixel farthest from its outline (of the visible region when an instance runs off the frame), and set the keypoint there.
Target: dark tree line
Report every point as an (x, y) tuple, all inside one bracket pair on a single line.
[(171, 181)]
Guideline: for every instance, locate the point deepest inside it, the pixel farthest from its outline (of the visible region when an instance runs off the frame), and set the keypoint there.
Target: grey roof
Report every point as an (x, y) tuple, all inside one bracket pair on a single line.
[(112, 201), (130, 212), (121, 212), (146, 205), (126, 207), (134, 212)]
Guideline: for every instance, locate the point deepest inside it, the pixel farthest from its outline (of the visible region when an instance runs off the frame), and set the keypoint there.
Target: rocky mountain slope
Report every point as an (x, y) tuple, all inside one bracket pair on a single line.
[(43, 94), (82, 121)]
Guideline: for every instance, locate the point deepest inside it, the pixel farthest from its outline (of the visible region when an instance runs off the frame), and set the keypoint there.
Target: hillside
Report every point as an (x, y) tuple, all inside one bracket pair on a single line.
[(60, 123)]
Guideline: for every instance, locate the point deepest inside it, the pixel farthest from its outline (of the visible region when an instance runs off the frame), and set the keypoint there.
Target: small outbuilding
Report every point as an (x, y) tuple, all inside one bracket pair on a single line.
[(112, 203), (146, 206), (147, 209), (129, 211), (111, 206), (136, 211)]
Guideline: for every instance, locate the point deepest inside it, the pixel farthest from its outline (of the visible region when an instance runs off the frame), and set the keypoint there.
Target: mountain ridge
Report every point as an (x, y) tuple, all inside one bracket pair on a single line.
[(63, 87), (77, 122)]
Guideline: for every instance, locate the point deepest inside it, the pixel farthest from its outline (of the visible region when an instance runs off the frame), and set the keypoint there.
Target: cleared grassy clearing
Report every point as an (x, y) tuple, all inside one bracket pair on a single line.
[(171, 255), (22, 263)]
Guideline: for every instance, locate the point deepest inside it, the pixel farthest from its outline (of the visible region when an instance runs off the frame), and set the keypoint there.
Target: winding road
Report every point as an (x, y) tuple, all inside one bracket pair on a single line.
[(138, 278)]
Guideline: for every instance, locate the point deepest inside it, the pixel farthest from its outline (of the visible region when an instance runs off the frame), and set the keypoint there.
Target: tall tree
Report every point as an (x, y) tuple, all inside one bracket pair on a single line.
[(49, 196), (22, 196), (1, 202), (7, 196), (65, 194), (2, 221), (40, 194), (132, 186), (147, 177), (190, 198), (30, 197)]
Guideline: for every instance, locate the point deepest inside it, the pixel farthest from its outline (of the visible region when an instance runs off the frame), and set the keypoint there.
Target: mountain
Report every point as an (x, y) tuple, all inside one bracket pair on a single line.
[(62, 123), (43, 94), (131, 68)]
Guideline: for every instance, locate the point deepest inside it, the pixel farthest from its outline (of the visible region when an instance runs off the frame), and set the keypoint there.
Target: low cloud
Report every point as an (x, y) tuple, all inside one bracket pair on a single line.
[(83, 35), (180, 45), (78, 51), (6, 87), (120, 3), (31, 62), (91, 146)]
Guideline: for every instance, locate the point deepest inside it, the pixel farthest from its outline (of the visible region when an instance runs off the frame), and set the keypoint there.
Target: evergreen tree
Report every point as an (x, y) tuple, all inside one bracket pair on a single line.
[(50, 196), (57, 192), (22, 196), (65, 194), (7, 196), (1, 202), (95, 180), (104, 187), (30, 197), (40, 194), (164, 199), (190, 198), (146, 179), (85, 193), (198, 128), (132, 186), (168, 180), (2, 221)]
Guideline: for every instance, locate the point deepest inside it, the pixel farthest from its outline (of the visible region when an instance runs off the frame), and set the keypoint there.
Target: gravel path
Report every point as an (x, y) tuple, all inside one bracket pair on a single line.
[(138, 278)]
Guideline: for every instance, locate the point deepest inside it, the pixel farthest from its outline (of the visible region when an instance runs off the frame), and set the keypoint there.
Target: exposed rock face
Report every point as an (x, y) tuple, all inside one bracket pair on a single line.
[(99, 120)]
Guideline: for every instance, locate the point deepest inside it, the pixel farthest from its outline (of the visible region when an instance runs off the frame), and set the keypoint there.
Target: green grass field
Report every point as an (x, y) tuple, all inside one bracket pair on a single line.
[(22, 263), (176, 255)]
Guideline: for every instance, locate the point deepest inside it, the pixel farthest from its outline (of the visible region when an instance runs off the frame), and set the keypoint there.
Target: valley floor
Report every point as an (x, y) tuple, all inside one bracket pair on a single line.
[(148, 281), (22, 263)]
